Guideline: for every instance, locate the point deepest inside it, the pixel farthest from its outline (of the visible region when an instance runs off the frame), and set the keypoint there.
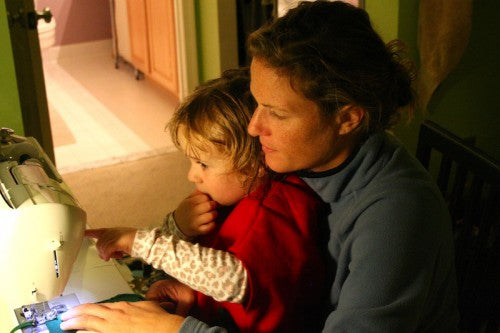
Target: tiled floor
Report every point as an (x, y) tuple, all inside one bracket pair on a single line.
[(101, 115)]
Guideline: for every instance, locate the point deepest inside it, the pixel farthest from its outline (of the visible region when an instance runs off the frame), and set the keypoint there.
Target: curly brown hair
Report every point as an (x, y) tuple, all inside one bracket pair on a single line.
[(334, 57)]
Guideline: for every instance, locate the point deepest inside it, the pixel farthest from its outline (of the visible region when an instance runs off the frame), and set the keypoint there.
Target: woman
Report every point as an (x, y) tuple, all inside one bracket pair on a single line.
[(328, 89)]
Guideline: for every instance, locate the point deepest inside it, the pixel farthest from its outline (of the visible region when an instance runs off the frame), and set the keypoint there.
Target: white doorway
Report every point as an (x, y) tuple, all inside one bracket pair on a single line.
[(101, 115)]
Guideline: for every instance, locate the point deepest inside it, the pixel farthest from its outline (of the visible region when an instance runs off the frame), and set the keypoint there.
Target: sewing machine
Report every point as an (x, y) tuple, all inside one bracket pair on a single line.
[(41, 224), (45, 260)]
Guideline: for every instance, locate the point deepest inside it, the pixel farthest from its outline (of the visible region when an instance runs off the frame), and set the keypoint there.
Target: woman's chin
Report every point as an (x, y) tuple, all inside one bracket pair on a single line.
[(278, 166)]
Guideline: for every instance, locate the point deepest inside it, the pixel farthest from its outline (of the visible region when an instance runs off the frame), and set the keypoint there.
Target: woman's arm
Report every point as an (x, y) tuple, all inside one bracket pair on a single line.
[(121, 317), (134, 317)]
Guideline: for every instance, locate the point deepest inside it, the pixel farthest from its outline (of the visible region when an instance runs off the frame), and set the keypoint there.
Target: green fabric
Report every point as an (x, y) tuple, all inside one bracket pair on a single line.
[(123, 298)]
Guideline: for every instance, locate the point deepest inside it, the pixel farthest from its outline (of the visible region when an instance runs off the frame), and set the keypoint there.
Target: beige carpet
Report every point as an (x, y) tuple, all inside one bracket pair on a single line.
[(136, 194)]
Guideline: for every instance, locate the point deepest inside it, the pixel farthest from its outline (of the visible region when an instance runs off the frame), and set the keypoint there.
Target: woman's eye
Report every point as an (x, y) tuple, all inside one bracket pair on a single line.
[(277, 115)]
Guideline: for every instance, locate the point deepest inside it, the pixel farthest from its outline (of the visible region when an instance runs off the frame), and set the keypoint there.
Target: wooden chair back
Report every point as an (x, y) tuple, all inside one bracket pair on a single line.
[(469, 181)]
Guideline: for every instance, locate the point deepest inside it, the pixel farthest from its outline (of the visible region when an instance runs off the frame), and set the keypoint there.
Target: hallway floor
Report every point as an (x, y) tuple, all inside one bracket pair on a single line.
[(101, 115)]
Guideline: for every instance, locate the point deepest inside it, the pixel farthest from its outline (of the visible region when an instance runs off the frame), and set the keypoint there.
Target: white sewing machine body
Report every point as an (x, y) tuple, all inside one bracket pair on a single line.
[(41, 224)]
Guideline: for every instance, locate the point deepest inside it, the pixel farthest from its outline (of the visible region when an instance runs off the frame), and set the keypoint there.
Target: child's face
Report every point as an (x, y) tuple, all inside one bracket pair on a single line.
[(211, 173)]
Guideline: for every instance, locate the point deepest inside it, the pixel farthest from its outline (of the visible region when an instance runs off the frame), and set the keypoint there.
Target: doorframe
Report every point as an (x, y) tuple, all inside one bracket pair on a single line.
[(29, 74), (187, 52)]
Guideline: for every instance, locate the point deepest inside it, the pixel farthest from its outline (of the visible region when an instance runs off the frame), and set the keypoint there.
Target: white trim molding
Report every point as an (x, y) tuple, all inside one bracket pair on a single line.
[(187, 54)]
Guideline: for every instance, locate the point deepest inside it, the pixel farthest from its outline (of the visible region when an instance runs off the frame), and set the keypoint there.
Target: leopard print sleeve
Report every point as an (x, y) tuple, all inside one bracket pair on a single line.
[(215, 273)]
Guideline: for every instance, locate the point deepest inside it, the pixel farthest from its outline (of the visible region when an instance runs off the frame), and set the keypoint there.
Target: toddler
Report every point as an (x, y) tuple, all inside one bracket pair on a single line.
[(246, 242)]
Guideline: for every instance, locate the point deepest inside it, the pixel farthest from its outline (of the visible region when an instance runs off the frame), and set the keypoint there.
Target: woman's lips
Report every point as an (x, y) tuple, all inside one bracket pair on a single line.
[(267, 150)]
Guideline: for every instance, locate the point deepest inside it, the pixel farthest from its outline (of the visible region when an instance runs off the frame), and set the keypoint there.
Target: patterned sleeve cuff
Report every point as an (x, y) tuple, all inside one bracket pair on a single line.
[(170, 227)]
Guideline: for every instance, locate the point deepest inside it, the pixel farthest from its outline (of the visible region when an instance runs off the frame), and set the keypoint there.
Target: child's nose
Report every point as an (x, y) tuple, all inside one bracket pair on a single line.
[(193, 176)]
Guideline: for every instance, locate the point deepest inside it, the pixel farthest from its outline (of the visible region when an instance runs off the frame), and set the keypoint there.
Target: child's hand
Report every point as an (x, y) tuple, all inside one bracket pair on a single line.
[(112, 242), (173, 295), (196, 214)]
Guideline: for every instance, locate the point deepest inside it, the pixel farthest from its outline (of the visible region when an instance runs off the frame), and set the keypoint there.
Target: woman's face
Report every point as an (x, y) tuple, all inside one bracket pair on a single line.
[(293, 133)]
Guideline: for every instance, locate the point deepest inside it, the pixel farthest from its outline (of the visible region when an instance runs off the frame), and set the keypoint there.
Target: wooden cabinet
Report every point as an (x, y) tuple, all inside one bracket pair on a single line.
[(152, 40), (137, 24)]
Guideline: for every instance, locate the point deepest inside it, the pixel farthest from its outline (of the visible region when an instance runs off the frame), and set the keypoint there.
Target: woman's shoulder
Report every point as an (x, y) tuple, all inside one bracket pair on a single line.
[(381, 160)]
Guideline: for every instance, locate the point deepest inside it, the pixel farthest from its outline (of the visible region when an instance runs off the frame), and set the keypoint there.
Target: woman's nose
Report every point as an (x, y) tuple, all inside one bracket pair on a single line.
[(255, 124)]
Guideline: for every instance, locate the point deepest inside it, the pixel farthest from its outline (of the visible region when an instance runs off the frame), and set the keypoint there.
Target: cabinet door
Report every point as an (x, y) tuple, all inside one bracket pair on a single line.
[(139, 46), (162, 43)]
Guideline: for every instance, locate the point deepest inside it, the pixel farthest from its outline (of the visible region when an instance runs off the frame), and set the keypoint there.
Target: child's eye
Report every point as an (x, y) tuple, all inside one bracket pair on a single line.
[(202, 165)]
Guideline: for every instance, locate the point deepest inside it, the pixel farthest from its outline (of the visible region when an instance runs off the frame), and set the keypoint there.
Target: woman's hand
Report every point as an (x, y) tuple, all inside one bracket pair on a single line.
[(196, 214), (121, 317), (172, 295), (112, 242)]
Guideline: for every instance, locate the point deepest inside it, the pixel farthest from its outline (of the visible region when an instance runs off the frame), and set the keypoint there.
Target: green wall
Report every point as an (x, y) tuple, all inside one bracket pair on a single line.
[(384, 17), (10, 109), (217, 40), (207, 31)]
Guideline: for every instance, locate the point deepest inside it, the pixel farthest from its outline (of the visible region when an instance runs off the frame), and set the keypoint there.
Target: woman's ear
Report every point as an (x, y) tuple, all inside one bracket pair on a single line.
[(349, 118)]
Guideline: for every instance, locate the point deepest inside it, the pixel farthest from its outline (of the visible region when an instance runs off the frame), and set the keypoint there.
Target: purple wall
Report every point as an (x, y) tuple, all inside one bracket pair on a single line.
[(79, 21)]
